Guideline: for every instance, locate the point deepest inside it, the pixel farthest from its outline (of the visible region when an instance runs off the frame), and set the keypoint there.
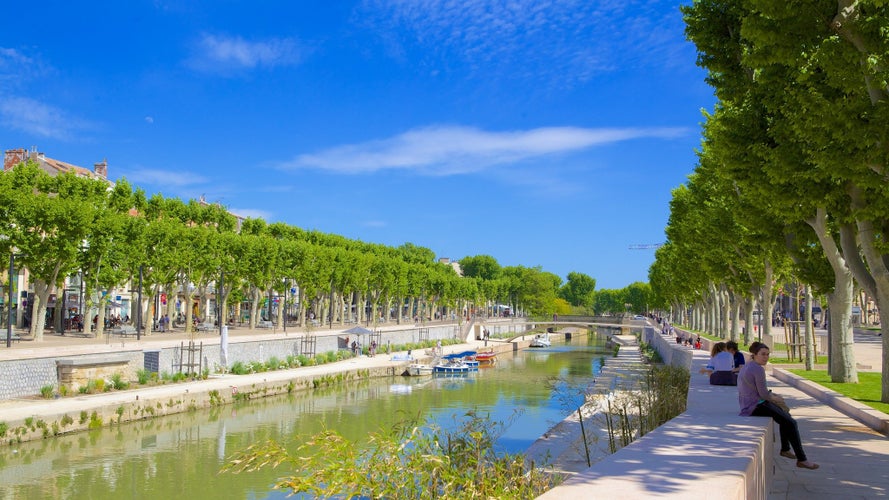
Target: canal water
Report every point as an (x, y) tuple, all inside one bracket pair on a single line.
[(180, 456)]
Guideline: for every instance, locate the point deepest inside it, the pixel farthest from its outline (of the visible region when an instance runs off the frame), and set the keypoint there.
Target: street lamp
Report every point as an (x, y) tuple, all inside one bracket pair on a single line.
[(12, 256)]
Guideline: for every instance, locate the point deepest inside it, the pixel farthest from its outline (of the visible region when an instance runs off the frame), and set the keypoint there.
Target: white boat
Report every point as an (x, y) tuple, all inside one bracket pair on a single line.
[(454, 366), (541, 341), (417, 370)]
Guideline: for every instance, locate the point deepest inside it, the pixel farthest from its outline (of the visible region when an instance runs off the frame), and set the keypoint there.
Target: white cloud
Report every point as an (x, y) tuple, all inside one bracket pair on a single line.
[(149, 119), (37, 118), (562, 42), (164, 178), (225, 53), (449, 150)]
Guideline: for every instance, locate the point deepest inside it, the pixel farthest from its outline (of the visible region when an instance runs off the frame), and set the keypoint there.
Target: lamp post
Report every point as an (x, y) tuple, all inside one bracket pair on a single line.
[(220, 290), (12, 257), (9, 304), (139, 309), (286, 286)]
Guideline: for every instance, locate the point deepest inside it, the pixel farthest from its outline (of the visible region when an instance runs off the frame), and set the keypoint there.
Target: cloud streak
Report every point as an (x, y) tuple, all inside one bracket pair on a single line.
[(165, 178), (563, 42), (452, 150), (220, 53), (35, 117)]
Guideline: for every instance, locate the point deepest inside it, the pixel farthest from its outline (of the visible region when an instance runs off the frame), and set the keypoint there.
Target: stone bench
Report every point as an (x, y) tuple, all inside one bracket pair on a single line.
[(707, 452), (76, 372), (123, 330), (206, 327)]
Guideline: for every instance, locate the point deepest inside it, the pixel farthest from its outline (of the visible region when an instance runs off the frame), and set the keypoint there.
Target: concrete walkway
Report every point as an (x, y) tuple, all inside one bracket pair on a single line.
[(854, 459)]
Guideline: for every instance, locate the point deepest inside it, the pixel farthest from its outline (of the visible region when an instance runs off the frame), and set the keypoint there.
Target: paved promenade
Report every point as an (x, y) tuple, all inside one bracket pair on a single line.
[(854, 459)]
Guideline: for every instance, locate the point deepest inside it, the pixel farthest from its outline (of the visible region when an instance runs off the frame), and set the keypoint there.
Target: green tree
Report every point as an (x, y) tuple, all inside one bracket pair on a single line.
[(579, 290), (49, 218), (480, 266)]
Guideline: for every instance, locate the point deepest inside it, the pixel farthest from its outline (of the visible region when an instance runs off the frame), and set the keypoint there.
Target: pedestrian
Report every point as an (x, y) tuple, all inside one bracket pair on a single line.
[(757, 400)]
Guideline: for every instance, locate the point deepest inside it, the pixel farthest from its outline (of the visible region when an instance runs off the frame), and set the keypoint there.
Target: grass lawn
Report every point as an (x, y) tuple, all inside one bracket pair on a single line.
[(866, 391), (819, 360)]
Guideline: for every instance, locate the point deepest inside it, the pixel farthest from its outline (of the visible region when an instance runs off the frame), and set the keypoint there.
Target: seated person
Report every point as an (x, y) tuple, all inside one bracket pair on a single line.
[(721, 366), (732, 347)]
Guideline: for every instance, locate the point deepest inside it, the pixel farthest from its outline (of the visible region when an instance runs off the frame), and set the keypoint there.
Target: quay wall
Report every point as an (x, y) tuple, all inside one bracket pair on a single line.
[(23, 378)]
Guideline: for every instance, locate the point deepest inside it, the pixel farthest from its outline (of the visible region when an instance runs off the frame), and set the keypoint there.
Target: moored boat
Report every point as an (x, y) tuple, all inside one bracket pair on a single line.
[(417, 370), (454, 366), (541, 340), (486, 358)]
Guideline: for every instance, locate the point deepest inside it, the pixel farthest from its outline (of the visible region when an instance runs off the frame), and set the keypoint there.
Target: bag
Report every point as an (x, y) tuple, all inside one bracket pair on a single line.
[(724, 378), (781, 404)]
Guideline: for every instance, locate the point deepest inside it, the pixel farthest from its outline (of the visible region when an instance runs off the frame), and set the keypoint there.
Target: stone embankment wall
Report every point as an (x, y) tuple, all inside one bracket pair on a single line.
[(82, 413), (25, 378)]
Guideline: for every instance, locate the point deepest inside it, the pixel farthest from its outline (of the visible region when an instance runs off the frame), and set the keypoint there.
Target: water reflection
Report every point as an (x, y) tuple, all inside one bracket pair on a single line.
[(180, 456)]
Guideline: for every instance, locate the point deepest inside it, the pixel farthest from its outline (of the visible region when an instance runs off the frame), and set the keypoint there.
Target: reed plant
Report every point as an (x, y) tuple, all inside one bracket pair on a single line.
[(661, 394), (407, 461)]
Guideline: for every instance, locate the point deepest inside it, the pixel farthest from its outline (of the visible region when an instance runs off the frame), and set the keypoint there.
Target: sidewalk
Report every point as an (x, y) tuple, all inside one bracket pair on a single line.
[(74, 344), (854, 458)]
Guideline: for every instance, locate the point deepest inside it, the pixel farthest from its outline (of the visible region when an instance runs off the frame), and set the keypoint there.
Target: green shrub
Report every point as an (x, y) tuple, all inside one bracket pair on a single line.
[(239, 368), (3, 428), (117, 382), (83, 417), (95, 421), (47, 391), (273, 363), (143, 376), (67, 420)]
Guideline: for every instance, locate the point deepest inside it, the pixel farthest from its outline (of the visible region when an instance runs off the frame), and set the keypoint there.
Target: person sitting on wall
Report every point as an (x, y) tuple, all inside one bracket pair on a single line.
[(721, 366), (732, 347)]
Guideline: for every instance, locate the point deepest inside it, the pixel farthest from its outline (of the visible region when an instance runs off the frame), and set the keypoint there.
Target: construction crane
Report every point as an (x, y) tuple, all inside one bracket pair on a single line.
[(646, 246)]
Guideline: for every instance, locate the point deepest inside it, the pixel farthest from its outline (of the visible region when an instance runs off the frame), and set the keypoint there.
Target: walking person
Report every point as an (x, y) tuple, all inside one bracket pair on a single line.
[(758, 401)]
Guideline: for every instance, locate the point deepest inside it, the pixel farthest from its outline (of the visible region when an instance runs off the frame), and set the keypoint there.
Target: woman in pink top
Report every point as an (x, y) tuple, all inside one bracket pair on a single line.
[(758, 401)]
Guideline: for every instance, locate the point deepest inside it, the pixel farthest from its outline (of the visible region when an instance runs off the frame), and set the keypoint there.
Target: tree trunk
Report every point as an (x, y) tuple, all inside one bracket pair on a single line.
[(810, 332), (302, 307), (100, 315), (842, 357), (38, 309), (750, 326), (254, 308)]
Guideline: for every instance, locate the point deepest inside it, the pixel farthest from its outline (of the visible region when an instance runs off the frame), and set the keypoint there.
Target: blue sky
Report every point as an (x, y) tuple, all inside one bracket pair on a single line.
[(542, 133)]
